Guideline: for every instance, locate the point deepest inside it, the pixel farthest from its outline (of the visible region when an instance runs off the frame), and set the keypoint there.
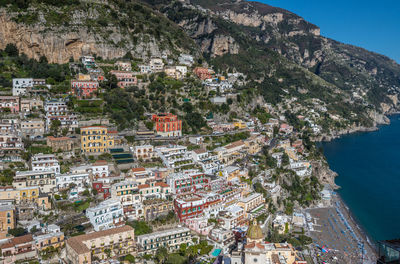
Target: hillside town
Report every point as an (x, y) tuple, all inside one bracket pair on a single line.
[(79, 186)]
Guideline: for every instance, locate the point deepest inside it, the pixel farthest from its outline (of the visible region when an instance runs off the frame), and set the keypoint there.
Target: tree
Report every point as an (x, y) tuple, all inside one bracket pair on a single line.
[(55, 126), (11, 50), (19, 231), (182, 249), (112, 81), (285, 159), (129, 258), (149, 125), (161, 254)]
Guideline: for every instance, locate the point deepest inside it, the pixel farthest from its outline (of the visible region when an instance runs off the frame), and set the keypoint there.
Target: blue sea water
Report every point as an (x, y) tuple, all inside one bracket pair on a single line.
[(368, 165)]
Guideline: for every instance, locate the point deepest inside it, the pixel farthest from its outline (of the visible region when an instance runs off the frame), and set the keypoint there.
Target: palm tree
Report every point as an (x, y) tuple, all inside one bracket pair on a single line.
[(161, 254)]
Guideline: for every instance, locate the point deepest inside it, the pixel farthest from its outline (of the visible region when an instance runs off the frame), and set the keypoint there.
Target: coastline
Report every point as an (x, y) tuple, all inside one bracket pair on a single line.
[(369, 244), (360, 230), (337, 236)]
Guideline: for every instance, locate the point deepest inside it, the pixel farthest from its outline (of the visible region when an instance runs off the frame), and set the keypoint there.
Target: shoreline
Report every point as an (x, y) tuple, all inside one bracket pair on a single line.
[(362, 232)]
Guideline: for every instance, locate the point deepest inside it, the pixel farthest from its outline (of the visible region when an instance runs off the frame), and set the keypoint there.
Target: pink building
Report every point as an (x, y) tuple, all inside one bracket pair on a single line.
[(125, 78), (84, 88), (199, 225), (9, 102)]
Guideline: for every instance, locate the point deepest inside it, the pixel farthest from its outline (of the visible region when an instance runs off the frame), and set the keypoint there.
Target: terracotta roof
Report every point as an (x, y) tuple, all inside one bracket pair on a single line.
[(254, 244), (138, 169), (235, 144), (143, 186), (199, 151), (162, 184), (100, 162), (17, 241), (93, 127), (76, 243), (58, 138)]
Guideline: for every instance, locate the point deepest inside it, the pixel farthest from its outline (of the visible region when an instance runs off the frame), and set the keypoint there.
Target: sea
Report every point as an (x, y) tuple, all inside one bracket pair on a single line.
[(368, 167)]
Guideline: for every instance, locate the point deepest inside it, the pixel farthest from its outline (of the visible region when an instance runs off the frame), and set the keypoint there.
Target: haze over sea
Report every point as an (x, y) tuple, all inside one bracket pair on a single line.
[(368, 165)]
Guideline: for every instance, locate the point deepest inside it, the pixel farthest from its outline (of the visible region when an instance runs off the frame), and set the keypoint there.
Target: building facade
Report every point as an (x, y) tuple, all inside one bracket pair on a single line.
[(170, 239), (118, 241), (167, 125), (84, 88), (11, 103), (95, 140), (45, 162), (124, 78), (106, 215), (60, 143)]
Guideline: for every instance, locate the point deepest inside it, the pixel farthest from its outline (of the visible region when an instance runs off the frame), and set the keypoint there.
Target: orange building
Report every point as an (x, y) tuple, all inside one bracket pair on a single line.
[(168, 125), (202, 73)]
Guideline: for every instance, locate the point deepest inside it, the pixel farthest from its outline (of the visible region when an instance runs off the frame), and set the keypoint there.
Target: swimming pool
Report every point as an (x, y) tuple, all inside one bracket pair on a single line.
[(216, 252)]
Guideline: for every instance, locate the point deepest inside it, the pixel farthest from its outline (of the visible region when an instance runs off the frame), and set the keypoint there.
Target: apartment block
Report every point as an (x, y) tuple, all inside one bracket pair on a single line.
[(9, 102), (167, 125), (45, 162), (170, 239), (106, 215), (120, 242), (95, 140), (45, 180)]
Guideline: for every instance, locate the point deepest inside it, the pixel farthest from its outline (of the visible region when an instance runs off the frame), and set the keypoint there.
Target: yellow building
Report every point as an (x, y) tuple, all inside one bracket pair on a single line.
[(240, 124), (7, 219), (84, 77), (27, 194), (53, 239), (95, 139), (102, 245)]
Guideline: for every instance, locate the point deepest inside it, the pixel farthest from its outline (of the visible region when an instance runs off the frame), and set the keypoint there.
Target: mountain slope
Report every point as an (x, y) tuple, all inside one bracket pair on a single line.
[(283, 56), (63, 29)]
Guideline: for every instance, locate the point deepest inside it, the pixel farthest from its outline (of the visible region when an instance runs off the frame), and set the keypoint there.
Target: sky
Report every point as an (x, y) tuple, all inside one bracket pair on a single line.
[(373, 25)]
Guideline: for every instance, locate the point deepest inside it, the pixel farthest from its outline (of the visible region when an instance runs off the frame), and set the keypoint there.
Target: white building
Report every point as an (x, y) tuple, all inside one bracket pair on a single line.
[(144, 152), (44, 162), (232, 217), (186, 59), (170, 239), (302, 168), (175, 156), (88, 61), (145, 68), (182, 70), (221, 238), (209, 163), (20, 85), (55, 107), (58, 110), (156, 64), (106, 215), (100, 169), (81, 181)]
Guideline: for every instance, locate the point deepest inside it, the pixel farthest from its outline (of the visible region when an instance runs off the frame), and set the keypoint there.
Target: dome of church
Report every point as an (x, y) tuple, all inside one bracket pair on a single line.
[(254, 232)]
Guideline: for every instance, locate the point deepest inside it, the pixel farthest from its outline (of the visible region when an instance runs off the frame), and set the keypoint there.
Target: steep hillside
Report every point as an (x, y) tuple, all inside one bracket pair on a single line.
[(371, 76), (283, 56), (64, 29)]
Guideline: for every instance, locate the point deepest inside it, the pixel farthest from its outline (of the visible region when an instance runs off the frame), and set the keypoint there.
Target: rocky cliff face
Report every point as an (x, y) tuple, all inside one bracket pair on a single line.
[(345, 66), (91, 28), (56, 47)]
